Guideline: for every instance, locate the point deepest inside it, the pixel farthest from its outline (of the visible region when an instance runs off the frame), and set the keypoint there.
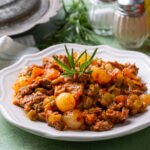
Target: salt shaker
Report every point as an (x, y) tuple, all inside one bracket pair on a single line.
[(101, 16), (130, 23)]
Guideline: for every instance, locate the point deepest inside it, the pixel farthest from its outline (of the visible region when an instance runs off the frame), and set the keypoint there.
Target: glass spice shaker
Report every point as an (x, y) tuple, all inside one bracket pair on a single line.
[(147, 5), (101, 14), (130, 23)]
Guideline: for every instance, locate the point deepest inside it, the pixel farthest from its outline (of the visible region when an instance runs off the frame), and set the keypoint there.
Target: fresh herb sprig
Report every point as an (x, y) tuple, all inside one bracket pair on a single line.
[(70, 70), (74, 28)]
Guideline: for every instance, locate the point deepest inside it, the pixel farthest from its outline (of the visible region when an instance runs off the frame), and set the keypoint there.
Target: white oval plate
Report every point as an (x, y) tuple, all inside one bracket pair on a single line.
[(16, 115)]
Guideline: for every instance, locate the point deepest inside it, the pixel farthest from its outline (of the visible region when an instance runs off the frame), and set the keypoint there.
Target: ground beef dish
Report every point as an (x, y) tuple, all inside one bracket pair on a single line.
[(96, 101)]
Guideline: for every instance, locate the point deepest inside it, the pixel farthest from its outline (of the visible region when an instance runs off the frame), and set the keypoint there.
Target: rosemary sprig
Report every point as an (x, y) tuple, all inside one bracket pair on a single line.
[(70, 70), (75, 27), (84, 65)]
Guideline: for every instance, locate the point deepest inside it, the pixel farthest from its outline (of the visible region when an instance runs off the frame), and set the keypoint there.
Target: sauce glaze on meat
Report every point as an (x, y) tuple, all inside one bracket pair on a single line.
[(96, 101)]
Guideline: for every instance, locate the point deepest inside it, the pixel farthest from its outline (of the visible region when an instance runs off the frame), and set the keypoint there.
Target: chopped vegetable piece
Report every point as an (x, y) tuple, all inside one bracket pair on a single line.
[(100, 75), (65, 102), (37, 72)]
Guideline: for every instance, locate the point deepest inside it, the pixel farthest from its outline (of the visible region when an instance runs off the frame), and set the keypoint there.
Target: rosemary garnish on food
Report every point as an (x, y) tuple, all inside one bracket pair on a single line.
[(72, 69)]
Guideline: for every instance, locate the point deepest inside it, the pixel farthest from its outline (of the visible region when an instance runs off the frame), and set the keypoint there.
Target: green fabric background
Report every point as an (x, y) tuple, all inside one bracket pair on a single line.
[(12, 138)]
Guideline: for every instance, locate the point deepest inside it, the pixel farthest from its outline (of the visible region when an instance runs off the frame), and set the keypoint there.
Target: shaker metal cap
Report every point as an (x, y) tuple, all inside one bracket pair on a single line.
[(132, 7)]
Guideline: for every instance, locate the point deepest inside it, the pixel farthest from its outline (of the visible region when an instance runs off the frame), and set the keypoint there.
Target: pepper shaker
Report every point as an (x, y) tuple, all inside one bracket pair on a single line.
[(101, 14), (147, 5), (130, 23)]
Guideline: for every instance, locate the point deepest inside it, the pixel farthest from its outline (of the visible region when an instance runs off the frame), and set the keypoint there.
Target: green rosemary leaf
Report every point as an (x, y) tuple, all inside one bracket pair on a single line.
[(71, 70), (85, 55), (70, 58), (84, 66), (72, 55), (65, 67), (94, 53), (68, 73), (88, 72), (75, 27)]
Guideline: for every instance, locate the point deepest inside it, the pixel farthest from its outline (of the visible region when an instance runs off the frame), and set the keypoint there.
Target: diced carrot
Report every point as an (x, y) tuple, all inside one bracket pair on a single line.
[(37, 71), (120, 99), (52, 74)]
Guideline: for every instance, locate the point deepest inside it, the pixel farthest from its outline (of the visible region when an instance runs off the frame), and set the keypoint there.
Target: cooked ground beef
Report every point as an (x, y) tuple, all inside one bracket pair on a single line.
[(96, 101)]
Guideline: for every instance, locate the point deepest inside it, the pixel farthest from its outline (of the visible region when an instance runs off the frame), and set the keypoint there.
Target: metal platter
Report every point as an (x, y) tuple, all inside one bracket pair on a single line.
[(18, 16)]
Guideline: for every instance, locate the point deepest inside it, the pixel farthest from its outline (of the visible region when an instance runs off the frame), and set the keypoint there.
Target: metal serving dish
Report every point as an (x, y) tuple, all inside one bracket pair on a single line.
[(16, 10), (18, 16)]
